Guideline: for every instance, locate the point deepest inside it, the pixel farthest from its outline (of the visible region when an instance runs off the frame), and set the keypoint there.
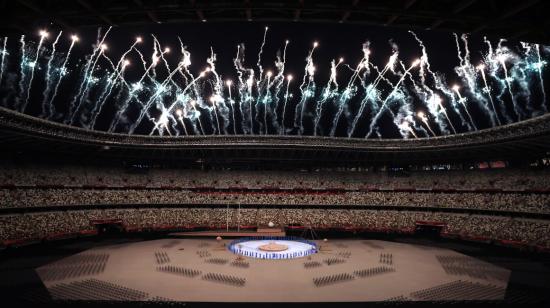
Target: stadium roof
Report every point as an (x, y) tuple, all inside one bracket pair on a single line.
[(524, 20), (21, 133)]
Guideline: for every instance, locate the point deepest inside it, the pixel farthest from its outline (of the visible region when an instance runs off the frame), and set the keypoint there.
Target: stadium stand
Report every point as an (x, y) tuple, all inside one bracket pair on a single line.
[(498, 190), (43, 224)]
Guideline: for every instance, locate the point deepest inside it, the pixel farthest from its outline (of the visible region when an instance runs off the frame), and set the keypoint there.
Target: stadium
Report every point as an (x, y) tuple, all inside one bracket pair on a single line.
[(233, 153)]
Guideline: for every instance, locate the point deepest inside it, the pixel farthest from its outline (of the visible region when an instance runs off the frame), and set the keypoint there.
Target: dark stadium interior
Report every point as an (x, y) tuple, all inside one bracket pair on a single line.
[(524, 20), (179, 211)]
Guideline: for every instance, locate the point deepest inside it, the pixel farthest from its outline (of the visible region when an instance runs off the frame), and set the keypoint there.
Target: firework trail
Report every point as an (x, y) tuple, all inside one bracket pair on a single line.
[(158, 50), (467, 72), (371, 90), (218, 103), (306, 91), (22, 67), (524, 73), (288, 78), (3, 60), (163, 89), (404, 117), (154, 62), (191, 112), (62, 73), (91, 80), (232, 103), (162, 51), (245, 90), (267, 99), (133, 92), (162, 123), (501, 58), (88, 71), (341, 102), (330, 91), (539, 66), (262, 100), (250, 98), (184, 90), (159, 91), (196, 115), (180, 118), (43, 36), (424, 120), (462, 100), (186, 60), (259, 101), (181, 98), (431, 98), (425, 69), (383, 107), (405, 127), (214, 100), (113, 79), (438, 101), (493, 68), (277, 86), (434, 102), (481, 68), (259, 63), (47, 88)]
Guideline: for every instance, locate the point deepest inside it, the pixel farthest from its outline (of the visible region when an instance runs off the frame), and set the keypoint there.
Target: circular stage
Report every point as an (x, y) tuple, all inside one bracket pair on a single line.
[(273, 247)]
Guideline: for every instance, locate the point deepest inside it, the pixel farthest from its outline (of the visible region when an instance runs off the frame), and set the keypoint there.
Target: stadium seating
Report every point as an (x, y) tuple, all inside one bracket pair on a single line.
[(511, 190), (40, 225), (27, 176), (176, 198)]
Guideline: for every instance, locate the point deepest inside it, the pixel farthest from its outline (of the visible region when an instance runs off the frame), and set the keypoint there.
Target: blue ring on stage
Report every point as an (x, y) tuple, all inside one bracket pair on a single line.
[(302, 247)]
